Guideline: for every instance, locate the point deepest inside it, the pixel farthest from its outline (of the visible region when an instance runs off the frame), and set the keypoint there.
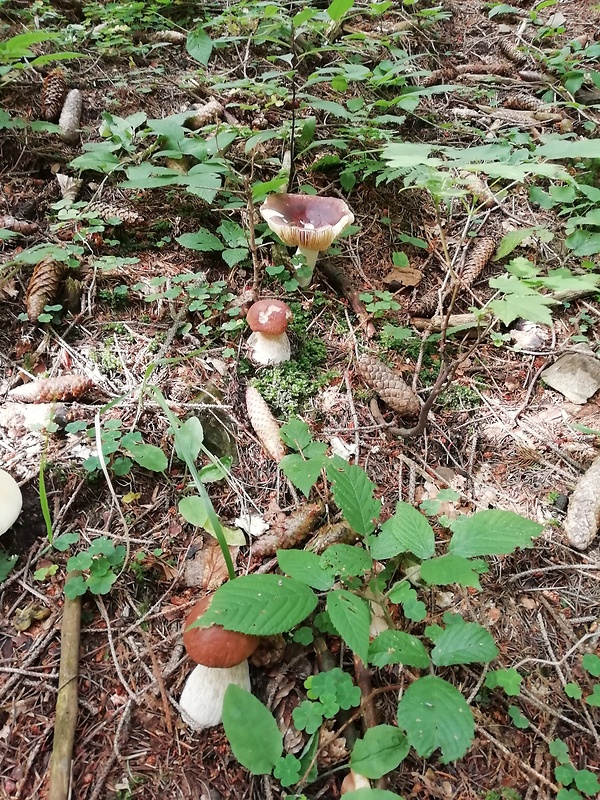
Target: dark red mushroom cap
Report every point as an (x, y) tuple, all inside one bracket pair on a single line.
[(269, 316), (215, 646)]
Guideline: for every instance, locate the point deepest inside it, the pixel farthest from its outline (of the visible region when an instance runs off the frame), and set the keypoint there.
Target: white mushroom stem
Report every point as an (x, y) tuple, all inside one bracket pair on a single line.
[(202, 697), (11, 501), (269, 348), (311, 259)]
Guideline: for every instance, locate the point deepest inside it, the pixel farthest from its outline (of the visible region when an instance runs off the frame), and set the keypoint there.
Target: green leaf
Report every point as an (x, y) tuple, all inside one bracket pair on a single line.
[(453, 569), (397, 647), (507, 679), (262, 605), (574, 691), (380, 751), (532, 306), (100, 583), (371, 794), (252, 732), (559, 148), (64, 541), (353, 494), (461, 642), (296, 434), (560, 751), (212, 473), (308, 716), (146, 455), (435, 715), (303, 473), (406, 531), (591, 664), (199, 45), (338, 8), (6, 565), (492, 532), (519, 721), (202, 240), (234, 256), (587, 782), (75, 587), (346, 560), (351, 617), (512, 240), (593, 699), (193, 510), (306, 567), (288, 770), (413, 608), (188, 440)]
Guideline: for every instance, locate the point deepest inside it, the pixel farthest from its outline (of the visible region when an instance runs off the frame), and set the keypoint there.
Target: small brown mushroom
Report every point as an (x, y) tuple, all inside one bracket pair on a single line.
[(269, 344), (307, 222), (222, 658)]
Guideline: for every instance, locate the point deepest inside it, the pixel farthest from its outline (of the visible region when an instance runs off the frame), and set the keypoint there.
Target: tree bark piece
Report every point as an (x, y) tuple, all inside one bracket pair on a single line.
[(66, 701)]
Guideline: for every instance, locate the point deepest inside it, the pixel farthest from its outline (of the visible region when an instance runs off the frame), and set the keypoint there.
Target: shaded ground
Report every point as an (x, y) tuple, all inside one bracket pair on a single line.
[(497, 436)]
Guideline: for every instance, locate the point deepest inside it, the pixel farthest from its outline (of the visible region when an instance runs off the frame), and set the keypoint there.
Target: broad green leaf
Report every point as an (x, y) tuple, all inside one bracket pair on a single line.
[(296, 434), (234, 256), (409, 154), (559, 148), (338, 8), (330, 107), (507, 679), (147, 455), (453, 569), (262, 605), (435, 715), (252, 732), (204, 185), (492, 532), (351, 617), (353, 494), (560, 751), (563, 280), (64, 541), (573, 690), (188, 440), (380, 751), (346, 560), (212, 473), (202, 240), (193, 510), (397, 647), (406, 532), (587, 782), (591, 664), (512, 240), (199, 45), (461, 643), (303, 473), (306, 567), (533, 307)]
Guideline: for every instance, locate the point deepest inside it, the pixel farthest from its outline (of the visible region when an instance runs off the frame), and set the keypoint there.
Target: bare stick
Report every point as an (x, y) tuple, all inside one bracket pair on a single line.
[(66, 701)]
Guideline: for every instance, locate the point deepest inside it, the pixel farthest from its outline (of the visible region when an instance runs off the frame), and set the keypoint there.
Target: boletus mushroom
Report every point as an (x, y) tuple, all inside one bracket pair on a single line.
[(11, 501), (222, 659), (268, 343), (307, 222)]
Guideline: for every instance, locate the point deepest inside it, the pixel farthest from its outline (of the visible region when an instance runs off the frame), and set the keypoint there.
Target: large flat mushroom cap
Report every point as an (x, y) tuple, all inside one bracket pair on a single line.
[(11, 501), (303, 220)]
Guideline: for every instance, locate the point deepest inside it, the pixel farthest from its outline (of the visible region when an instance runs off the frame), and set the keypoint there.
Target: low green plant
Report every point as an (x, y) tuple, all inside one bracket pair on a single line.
[(100, 565)]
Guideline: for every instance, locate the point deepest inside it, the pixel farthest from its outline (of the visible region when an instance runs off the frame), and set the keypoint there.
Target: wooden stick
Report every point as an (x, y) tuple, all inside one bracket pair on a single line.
[(66, 701)]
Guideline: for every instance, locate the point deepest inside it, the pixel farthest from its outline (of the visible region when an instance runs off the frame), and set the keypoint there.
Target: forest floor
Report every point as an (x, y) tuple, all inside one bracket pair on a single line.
[(497, 434)]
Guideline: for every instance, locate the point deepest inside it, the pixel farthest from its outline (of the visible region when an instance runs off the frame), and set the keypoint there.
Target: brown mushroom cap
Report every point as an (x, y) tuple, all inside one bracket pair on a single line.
[(304, 220), (215, 646), (269, 316)]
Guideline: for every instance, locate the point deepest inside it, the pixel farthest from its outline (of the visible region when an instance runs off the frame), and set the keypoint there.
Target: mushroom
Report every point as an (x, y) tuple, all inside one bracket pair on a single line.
[(11, 501), (269, 344), (221, 656), (307, 222)]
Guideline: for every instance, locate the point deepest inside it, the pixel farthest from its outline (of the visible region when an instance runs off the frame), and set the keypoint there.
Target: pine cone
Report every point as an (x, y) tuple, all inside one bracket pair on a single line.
[(264, 424), (106, 211), (203, 114), (444, 75), (70, 117), (583, 515), (427, 303), (18, 225), (525, 102), (510, 50), (389, 386), (54, 91), (479, 190), (43, 286), (477, 260), (47, 390), (69, 187)]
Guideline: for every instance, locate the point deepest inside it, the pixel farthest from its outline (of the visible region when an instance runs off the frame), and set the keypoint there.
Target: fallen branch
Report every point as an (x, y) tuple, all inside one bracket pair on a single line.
[(342, 285), (66, 701)]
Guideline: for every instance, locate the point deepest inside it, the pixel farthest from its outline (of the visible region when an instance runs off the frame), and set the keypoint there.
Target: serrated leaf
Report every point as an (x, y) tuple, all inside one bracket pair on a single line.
[(397, 647), (435, 715), (461, 643), (406, 532), (507, 679), (202, 240), (296, 434), (306, 567), (492, 532), (199, 45), (252, 732), (453, 569), (351, 617), (262, 605), (346, 560), (303, 473), (380, 751), (532, 307), (353, 494)]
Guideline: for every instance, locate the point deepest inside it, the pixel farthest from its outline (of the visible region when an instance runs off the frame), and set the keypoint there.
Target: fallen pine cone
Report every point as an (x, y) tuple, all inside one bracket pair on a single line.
[(525, 102), (54, 91), (293, 531), (201, 115), (46, 390), (17, 225), (69, 187), (388, 384), (511, 51), (477, 260), (107, 211), (479, 189), (43, 286), (583, 515), (70, 117), (264, 424)]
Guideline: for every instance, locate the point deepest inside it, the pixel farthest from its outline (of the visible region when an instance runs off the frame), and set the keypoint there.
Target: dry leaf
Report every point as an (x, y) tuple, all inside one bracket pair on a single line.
[(397, 278)]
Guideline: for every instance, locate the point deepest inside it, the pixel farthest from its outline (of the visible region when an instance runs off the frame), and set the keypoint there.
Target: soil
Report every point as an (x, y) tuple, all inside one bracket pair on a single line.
[(498, 436)]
